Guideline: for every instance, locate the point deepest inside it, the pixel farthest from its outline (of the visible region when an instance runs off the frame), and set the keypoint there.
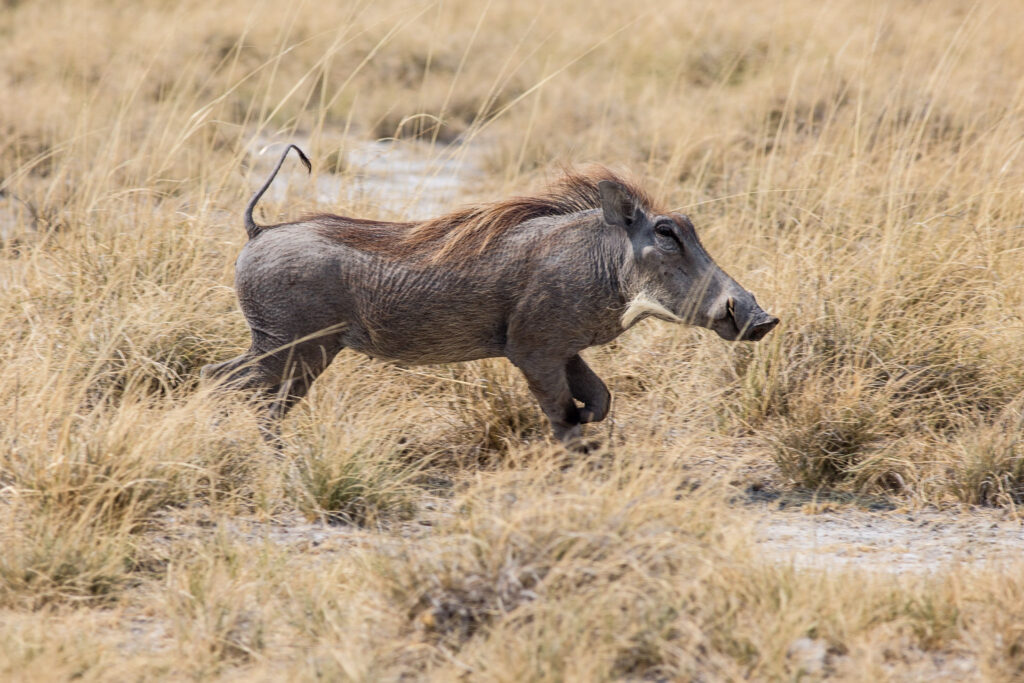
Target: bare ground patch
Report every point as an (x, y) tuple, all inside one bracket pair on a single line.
[(896, 541)]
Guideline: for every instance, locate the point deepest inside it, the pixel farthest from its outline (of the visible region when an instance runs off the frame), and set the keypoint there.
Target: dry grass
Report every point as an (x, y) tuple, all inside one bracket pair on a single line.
[(860, 166)]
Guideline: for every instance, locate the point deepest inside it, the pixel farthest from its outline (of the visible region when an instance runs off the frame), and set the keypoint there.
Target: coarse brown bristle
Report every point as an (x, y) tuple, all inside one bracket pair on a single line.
[(472, 228)]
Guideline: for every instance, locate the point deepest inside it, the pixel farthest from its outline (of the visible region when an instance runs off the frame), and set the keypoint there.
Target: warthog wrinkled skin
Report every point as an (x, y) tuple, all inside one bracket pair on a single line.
[(535, 279)]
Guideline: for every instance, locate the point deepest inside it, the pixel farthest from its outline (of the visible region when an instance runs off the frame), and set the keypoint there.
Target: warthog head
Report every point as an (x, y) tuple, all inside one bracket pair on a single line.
[(675, 277)]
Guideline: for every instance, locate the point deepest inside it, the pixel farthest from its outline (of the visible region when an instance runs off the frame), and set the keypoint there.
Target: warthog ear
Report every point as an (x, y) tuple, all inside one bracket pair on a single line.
[(618, 204)]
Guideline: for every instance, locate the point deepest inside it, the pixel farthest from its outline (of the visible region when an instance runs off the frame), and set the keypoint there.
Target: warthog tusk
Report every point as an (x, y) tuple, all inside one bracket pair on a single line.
[(644, 304)]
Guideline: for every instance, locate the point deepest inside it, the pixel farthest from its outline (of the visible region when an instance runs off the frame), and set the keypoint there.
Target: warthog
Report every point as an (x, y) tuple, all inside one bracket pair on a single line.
[(534, 279)]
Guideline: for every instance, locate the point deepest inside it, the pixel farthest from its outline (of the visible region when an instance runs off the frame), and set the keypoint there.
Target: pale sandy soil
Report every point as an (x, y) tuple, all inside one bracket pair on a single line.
[(896, 542)]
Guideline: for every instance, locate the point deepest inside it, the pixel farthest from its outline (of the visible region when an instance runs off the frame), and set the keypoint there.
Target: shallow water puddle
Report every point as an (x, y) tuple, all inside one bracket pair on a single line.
[(411, 180)]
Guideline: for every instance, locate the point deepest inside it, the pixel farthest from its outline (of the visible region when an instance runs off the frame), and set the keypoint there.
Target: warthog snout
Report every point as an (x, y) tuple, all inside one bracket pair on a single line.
[(744, 320), (758, 330)]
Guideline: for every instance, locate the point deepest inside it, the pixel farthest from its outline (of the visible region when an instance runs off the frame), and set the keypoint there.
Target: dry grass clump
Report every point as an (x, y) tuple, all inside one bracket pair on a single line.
[(856, 165), (352, 483), (214, 604), (46, 561), (556, 568), (988, 462), (827, 437), (495, 410), (81, 492)]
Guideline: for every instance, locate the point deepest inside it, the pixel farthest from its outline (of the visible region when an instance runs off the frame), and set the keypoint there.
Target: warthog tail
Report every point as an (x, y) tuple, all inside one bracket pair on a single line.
[(250, 225)]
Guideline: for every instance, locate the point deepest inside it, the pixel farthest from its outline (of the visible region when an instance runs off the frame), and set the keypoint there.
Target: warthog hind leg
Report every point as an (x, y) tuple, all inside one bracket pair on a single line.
[(279, 379), (216, 371), (289, 392)]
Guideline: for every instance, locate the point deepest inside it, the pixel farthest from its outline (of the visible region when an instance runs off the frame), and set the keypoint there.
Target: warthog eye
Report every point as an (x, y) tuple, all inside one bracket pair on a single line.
[(666, 238)]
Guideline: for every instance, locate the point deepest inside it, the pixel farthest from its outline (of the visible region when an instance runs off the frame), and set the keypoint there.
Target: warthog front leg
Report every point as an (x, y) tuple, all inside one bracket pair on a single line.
[(549, 383), (588, 388)]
